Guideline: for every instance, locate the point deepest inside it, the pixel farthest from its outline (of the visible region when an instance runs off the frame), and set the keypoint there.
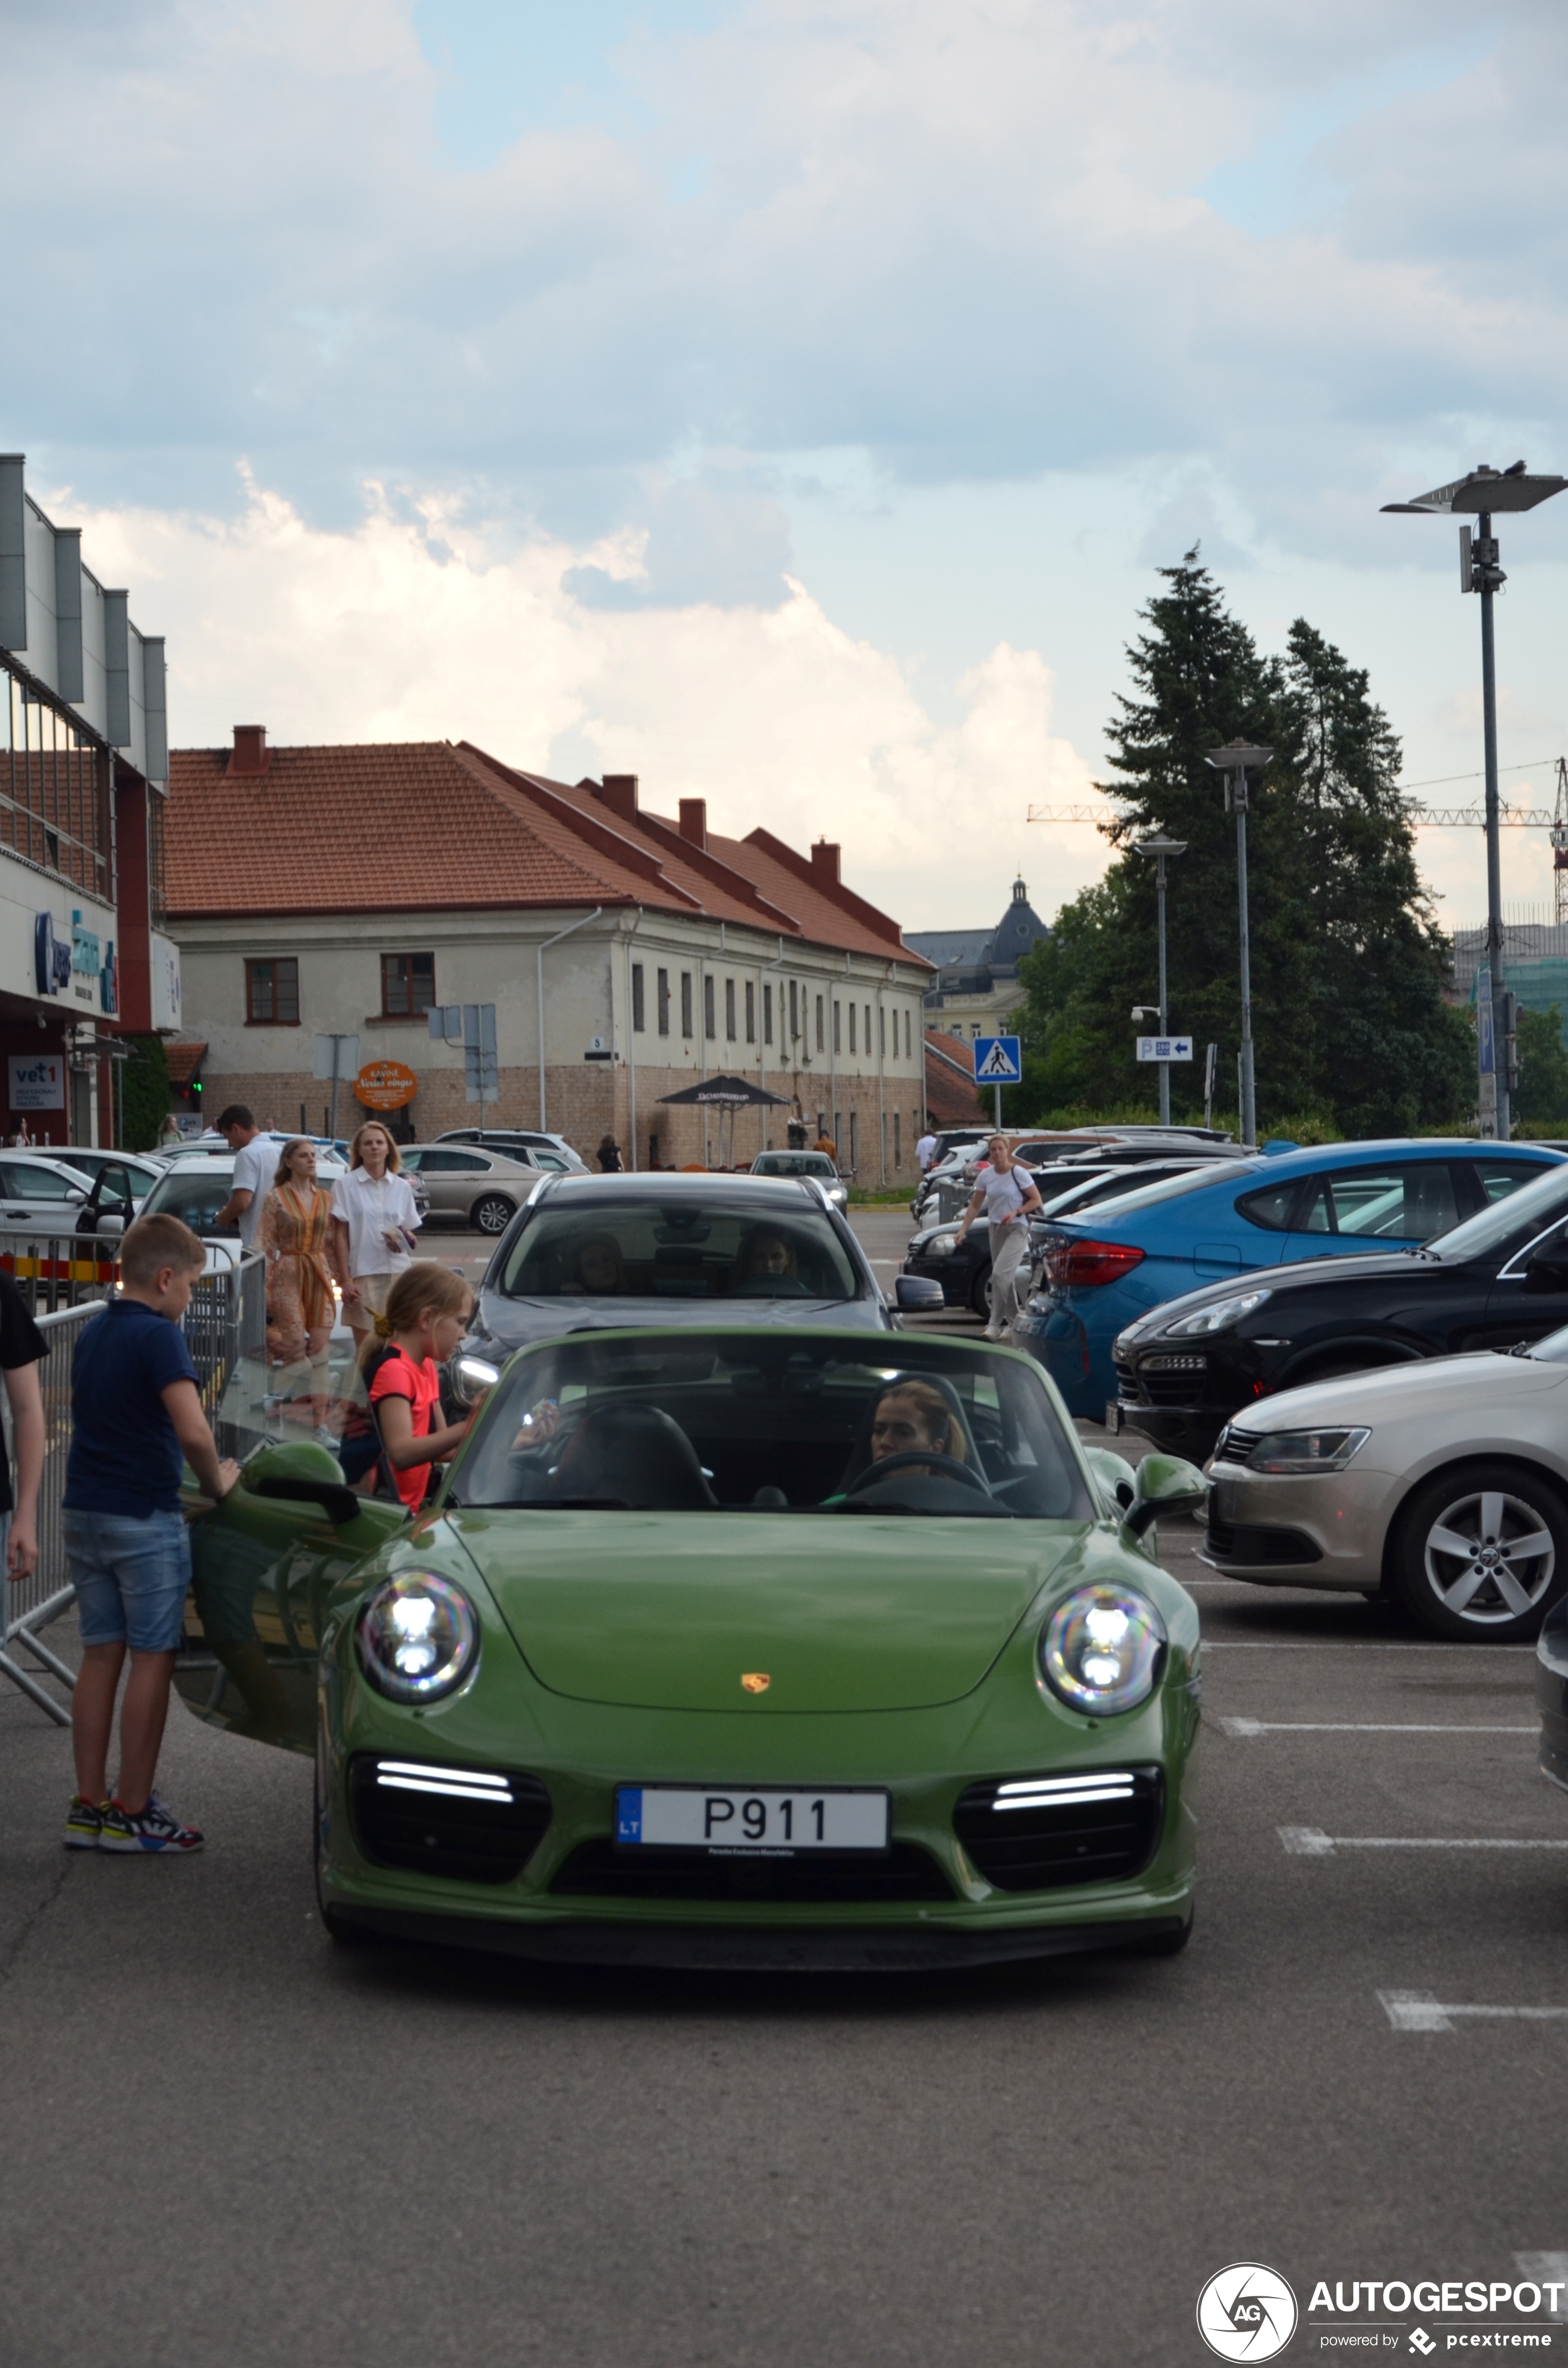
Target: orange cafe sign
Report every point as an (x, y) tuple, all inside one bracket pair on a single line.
[(385, 1085)]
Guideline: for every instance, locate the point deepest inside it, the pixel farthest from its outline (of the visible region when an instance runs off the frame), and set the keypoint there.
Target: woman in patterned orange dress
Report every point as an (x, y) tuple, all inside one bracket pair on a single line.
[(293, 1237)]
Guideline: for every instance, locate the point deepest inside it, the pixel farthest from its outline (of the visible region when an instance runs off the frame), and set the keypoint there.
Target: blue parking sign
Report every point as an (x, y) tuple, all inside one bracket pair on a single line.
[(997, 1061)]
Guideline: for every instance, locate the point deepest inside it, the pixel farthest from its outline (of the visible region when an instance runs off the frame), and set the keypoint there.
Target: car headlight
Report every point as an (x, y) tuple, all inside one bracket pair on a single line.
[(1306, 1451), (417, 1638), (1101, 1650), (941, 1246), (1217, 1318)]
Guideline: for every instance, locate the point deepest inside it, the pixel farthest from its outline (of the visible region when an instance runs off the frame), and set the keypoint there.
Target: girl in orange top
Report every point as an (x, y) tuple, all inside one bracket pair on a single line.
[(428, 1312)]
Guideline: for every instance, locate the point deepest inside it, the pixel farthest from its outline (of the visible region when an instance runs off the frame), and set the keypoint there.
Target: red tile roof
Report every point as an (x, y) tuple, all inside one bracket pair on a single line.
[(948, 1101), (427, 825), (183, 1061)]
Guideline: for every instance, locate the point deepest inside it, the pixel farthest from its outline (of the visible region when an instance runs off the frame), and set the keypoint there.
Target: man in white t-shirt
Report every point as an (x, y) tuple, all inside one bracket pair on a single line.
[(255, 1165), (925, 1150), (1007, 1194)]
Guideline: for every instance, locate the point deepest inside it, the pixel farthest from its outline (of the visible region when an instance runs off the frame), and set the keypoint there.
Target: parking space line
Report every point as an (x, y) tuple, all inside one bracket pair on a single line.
[(1310, 1841), (1420, 2011), (1374, 1645), (1358, 1726)]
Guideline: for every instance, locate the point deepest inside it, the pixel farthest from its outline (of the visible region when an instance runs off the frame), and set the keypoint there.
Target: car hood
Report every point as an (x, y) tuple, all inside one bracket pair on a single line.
[(853, 1612), (1477, 1386), (1359, 1267), (507, 1323)]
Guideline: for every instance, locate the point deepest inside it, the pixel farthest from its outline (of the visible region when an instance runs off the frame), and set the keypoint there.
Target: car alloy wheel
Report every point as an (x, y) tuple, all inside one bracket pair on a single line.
[(1485, 1554), (493, 1214)]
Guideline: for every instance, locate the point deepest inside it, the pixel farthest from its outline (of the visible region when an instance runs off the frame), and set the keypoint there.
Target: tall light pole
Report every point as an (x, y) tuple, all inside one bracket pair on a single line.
[(1477, 496), (1159, 848), (1233, 760)]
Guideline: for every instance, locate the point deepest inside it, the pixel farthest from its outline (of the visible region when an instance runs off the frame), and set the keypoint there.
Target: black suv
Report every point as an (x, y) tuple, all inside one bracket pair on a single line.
[(1496, 1280)]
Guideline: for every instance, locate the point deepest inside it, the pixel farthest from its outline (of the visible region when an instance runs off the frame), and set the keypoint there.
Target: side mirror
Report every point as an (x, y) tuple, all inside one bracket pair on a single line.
[(304, 1474), (110, 1226), (1547, 1269), (75, 1194), (918, 1292), (1166, 1483)]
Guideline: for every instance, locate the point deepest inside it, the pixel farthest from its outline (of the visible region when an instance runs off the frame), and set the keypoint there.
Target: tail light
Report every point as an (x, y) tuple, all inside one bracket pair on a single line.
[(1080, 1264)]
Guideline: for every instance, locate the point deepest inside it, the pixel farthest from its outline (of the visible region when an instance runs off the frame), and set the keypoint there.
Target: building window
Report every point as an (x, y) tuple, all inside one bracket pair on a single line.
[(853, 1008), (639, 1013), (854, 1138), (898, 1154), (881, 1033), (408, 985), (794, 1010), (54, 789), (686, 1003), (821, 1040), (767, 1012), (868, 1010), (751, 1011), (906, 1051), (729, 1010), (272, 992), (708, 1026), (837, 1025), (662, 984)]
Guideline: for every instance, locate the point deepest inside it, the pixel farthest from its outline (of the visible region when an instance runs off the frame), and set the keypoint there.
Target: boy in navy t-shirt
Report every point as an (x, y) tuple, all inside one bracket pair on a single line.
[(136, 1420)]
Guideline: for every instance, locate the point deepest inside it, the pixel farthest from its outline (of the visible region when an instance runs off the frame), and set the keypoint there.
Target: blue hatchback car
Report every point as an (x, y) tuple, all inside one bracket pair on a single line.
[(1134, 1253)]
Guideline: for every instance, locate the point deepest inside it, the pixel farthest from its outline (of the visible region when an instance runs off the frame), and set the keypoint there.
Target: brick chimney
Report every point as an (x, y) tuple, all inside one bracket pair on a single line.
[(824, 859), (694, 821), (251, 760), (619, 793)]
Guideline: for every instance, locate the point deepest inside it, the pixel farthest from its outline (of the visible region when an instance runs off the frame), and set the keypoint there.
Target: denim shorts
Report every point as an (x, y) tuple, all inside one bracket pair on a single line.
[(131, 1574)]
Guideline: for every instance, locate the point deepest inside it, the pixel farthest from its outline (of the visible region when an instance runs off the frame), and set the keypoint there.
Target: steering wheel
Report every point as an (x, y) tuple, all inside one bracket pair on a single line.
[(947, 1467)]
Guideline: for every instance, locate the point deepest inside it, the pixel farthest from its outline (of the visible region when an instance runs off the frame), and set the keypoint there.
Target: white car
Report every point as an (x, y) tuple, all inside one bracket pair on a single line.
[(39, 1190), (1443, 1484)]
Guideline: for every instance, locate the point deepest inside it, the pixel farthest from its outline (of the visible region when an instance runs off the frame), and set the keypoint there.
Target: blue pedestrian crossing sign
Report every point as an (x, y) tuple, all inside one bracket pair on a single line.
[(997, 1061)]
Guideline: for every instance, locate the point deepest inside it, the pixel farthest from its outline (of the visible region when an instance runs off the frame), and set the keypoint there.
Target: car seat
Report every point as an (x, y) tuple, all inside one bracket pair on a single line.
[(636, 1454)]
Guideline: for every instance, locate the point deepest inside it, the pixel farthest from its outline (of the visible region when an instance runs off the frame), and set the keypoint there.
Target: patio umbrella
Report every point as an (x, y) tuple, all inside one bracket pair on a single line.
[(726, 1094)]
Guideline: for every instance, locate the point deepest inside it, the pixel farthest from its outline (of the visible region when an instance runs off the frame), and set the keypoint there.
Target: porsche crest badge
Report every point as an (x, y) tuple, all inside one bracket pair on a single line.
[(756, 1681)]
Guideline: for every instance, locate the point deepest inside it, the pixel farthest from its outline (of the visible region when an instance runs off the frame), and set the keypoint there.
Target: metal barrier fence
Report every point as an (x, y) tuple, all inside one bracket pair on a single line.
[(55, 1270), (225, 1326), (32, 1604)]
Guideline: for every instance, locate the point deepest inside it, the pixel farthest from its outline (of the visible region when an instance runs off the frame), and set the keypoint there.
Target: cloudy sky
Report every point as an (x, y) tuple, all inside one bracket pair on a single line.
[(790, 403)]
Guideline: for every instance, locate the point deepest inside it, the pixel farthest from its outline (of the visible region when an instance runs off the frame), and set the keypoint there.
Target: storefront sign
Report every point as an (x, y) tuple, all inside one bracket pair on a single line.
[(385, 1085), (38, 1081), (51, 959), (165, 982)]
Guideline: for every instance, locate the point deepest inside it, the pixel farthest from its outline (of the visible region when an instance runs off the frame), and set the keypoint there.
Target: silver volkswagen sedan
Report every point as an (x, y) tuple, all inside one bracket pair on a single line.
[(1443, 1484)]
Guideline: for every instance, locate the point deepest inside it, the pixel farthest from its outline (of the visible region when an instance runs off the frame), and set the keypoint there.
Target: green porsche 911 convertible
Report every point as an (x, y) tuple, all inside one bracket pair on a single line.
[(748, 1647)]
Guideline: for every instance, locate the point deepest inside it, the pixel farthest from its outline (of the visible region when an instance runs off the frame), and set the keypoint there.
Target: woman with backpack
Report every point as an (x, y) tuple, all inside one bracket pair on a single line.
[(427, 1311)]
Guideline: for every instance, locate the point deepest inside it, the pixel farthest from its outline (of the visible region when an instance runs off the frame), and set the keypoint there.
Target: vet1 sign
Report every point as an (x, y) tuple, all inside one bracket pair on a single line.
[(38, 1081)]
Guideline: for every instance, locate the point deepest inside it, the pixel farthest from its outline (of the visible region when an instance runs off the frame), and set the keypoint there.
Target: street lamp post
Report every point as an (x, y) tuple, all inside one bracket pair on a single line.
[(1483, 491), (1233, 760), (1160, 849)]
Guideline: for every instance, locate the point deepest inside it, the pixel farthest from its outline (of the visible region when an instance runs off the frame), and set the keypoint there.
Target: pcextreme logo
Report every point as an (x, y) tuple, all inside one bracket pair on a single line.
[(1246, 2312)]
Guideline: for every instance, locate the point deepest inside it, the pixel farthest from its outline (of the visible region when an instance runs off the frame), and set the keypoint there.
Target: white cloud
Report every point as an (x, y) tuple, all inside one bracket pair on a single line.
[(411, 626)]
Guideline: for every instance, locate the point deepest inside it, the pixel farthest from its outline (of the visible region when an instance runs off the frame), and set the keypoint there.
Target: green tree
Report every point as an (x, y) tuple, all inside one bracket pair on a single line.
[(1542, 1097), (147, 1096), (1348, 968)]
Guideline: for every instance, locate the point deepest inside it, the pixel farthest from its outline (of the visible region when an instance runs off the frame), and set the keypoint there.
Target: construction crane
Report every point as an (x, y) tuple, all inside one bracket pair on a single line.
[(1423, 817)]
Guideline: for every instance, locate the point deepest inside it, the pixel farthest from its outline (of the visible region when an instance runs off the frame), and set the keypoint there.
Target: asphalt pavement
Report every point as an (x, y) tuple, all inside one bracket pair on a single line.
[(226, 2141)]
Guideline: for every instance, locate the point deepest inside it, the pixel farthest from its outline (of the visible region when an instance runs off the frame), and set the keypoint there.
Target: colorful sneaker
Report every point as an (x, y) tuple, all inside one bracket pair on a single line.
[(154, 1828), (83, 1823)]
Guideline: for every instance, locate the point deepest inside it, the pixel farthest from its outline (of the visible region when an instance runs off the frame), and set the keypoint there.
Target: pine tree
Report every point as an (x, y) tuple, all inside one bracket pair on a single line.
[(1347, 964)]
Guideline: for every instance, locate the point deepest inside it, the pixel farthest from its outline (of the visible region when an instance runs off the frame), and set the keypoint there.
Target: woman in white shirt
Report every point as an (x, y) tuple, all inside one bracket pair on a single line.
[(1008, 1194), (373, 1223)]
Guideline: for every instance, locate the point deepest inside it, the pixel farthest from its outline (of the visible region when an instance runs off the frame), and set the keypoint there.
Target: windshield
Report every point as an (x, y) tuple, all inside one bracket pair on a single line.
[(749, 1422), (195, 1195), (617, 1245), (1524, 1212), (1197, 1179), (793, 1163)]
